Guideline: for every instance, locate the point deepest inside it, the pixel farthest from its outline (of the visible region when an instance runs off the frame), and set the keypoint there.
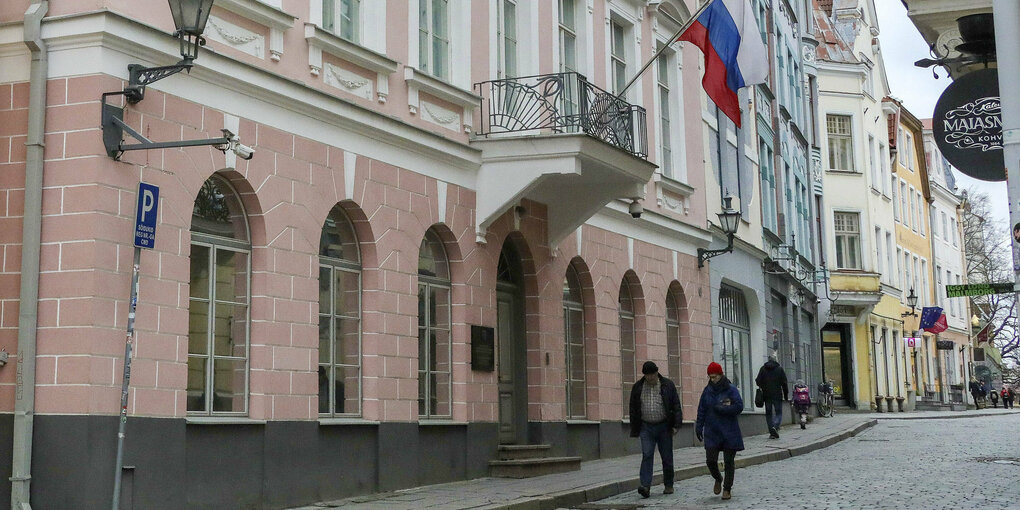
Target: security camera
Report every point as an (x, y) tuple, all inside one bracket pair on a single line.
[(243, 151), (636, 209), (234, 145)]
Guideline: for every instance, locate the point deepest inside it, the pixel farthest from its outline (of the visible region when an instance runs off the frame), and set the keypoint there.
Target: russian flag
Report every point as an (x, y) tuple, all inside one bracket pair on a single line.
[(735, 56)]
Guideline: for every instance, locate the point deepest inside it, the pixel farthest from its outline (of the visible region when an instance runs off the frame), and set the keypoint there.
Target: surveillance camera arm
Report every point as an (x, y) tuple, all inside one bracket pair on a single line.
[(114, 128)]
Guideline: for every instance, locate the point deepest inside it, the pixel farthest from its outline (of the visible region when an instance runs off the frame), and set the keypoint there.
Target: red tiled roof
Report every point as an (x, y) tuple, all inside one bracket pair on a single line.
[(832, 47)]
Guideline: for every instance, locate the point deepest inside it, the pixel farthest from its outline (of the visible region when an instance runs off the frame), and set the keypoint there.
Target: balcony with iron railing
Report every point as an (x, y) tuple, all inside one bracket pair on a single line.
[(561, 103), (560, 140)]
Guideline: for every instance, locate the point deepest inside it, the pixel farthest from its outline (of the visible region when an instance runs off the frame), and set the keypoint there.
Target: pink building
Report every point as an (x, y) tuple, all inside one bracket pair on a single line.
[(426, 258)]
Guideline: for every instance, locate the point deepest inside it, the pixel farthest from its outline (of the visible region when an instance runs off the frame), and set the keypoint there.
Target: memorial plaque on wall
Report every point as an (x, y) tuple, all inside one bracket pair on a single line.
[(483, 349), (968, 125)]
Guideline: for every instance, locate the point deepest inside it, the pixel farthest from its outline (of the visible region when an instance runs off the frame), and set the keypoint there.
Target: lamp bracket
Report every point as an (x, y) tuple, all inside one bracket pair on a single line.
[(114, 128), (139, 76), (704, 254)]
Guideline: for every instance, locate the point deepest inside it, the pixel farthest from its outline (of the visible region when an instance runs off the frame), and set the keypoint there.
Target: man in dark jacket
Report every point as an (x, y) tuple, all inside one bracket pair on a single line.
[(655, 417), (977, 392), (772, 381)]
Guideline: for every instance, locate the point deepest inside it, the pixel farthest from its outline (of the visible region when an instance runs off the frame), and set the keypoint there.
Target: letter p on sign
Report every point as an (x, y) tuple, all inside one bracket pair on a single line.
[(146, 215)]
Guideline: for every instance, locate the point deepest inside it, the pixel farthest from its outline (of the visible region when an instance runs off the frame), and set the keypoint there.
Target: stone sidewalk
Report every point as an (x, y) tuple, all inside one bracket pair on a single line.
[(599, 479)]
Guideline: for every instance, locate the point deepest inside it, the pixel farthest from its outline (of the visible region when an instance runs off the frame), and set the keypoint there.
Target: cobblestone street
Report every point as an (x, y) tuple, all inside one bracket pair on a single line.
[(922, 464)]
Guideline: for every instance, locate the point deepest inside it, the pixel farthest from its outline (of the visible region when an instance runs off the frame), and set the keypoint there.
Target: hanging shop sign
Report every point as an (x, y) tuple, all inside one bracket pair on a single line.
[(968, 125), (944, 345), (911, 341)]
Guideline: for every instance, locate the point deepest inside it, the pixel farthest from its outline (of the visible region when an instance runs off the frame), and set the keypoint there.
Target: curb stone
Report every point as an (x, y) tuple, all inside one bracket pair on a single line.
[(946, 417), (590, 494)]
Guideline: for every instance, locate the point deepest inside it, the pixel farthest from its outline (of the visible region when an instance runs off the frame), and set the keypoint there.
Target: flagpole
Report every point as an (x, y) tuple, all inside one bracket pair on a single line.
[(687, 24)]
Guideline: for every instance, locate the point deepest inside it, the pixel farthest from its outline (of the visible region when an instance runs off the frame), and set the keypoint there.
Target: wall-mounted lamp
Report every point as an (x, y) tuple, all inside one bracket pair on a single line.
[(912, 301), (729, 220), (190, 17)]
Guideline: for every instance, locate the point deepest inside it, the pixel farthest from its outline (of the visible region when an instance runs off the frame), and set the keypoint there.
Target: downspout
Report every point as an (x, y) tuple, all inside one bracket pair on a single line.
[(28, 315)]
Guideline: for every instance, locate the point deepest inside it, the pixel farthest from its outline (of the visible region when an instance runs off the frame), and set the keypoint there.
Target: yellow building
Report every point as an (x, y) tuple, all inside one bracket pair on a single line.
[(922, 372)]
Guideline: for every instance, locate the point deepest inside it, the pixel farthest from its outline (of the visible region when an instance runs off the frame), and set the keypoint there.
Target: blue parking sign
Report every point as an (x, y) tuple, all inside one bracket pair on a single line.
[(145, 215)]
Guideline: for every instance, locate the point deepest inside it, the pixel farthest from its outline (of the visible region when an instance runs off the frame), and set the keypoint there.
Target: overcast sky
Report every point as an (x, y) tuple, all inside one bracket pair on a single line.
[(902, 45)]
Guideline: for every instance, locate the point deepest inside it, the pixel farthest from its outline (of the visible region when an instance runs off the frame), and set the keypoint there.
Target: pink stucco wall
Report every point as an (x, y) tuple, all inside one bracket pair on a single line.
[(287, 190)]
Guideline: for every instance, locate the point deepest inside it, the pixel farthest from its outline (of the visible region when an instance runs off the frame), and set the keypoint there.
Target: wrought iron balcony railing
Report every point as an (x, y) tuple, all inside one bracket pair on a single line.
[(562, 103)]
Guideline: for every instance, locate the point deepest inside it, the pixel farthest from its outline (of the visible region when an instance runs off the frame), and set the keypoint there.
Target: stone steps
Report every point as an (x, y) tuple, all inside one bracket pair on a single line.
[(526, 461)]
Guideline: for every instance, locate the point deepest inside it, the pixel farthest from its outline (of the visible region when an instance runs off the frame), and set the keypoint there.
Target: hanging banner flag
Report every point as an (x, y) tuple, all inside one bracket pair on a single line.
[(929, 315), (735, 55)]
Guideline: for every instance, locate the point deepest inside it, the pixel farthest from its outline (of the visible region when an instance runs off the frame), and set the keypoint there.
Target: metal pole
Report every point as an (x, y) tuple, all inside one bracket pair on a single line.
[(127, 379), (1007, 50), (685, 26)]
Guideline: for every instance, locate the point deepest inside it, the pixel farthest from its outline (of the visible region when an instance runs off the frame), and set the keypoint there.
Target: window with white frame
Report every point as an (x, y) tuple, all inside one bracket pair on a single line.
[(891, 266), (872, 166), (900, 154), (434, 37), (339, 317), (841, 145), (628, 357), (904, 207), (568, 52), (342, 17), (506, 66), (945, 228), (921, 216), (618, 55), (878, 253), (665, 124), (573, 334), (954, 235), (884, 161), (435, 364), (913, 208), (908, 139), (847, 230), (218, 312), (895, 200), (735, 326)]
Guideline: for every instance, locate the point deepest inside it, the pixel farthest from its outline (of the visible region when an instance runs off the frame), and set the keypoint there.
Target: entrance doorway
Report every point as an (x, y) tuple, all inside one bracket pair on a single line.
[(837, 362), (513, 388)]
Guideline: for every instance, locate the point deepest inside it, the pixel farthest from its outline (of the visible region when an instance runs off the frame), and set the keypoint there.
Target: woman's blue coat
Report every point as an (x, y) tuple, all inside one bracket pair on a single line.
[(718, 422)]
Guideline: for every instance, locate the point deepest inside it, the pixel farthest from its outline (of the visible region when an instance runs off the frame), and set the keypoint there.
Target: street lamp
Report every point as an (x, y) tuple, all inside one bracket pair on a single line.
[(729, 220), (912, 301), (190, 17)]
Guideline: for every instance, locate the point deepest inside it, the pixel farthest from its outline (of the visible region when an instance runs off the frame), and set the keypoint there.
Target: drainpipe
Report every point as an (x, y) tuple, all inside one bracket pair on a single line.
[(24, 403)]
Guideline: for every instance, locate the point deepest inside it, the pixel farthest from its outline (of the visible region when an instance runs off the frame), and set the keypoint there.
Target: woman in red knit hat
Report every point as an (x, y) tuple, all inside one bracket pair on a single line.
[(717, 426)]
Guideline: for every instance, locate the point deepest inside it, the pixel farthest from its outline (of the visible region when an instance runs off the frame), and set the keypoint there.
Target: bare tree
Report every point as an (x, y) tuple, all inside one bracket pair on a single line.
[(988, 257)]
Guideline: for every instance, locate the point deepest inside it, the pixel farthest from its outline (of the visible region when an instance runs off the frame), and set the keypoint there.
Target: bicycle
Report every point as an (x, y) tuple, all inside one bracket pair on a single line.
[(825, 399)]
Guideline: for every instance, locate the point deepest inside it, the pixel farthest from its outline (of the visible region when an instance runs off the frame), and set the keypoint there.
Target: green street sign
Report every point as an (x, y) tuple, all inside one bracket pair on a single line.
[(978, 289)]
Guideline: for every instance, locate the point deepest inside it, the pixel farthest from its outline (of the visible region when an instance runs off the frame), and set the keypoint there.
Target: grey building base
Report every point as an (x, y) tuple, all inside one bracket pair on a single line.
[(170, 464)]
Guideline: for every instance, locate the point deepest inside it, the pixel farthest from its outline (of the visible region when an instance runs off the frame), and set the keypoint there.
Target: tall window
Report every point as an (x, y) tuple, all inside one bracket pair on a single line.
[(618, 56), (841, 144), (507, 47), (920, 213), (901, 153), (884, 161), (904, 208), (573, 333), (768, 186), (872, 166), (218, 304), (339, 317), (673, 307), (434, 356), (736, 340), (434, 37), (848, 240), (628, 358), (908, 148), (341, 17), (895, 200), (890, 268), (666, 144), (945, 229), (568, 52), (898, 271)]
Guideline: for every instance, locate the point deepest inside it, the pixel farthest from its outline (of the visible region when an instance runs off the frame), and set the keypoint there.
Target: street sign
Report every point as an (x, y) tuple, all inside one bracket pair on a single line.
[(978, 289), (145, 215)]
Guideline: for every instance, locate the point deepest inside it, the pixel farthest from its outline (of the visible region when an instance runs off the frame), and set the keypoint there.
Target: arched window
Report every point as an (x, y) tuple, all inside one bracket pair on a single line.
[(573, 332), (628, 359), (434, 355), (339, 317), (673, 336), (218, 305)]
